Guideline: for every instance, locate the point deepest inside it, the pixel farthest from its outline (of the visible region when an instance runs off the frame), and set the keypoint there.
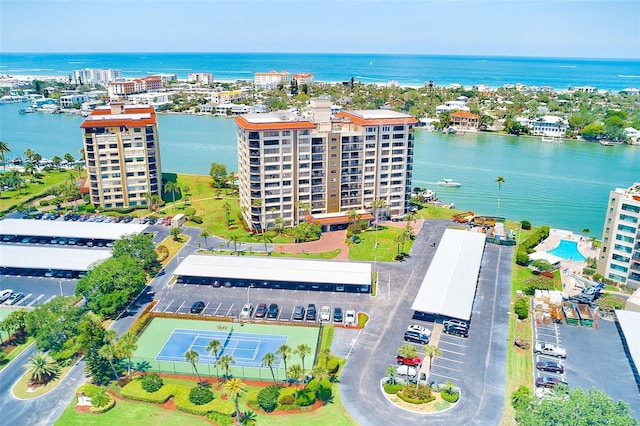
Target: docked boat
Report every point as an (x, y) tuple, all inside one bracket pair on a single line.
[(606, 143), (448, 182), (550, 139)]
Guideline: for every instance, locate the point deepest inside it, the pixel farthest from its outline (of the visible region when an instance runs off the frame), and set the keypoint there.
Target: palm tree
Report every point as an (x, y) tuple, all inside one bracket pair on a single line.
[(319, 372), (266, 239), (69, 158), (235, 239), (28, 154), (225, 362), (303, 350), (408, 351), (499, 180), (234, 388), (227, 211), (326, 354), (268, 360), (192, 357), (432, 351), (56, 161), (295, 373), (204, 234), (171, 187), (100, 398), (41, 368), (126, 346), (284, 351), (4, 148), (108, 351), (586, 232), (214, 347), (391, 372), (232, 179)]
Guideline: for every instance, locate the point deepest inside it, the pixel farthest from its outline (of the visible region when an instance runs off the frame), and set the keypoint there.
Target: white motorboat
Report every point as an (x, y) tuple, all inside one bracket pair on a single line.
[(551, 139), (448, 182)]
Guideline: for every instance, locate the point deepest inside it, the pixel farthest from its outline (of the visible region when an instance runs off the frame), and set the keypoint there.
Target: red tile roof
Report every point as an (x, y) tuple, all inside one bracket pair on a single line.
[(336, 220), (465, 114), (275, 125), (377, 121)]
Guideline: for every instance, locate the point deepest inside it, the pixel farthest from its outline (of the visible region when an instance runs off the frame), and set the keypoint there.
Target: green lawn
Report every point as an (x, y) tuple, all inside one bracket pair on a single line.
[(35, 186), (387, 249), (132, 413)]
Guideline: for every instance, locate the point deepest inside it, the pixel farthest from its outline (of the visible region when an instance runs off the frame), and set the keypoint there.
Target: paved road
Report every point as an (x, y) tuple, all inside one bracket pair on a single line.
[(482, 371)]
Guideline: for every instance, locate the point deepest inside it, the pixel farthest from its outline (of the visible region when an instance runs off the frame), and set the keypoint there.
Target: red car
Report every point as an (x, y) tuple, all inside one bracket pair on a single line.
[(408, 361), (549, 382), (261, 310)]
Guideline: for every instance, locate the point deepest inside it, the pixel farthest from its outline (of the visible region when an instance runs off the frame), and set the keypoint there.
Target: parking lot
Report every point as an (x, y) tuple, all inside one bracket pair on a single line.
[(228, 301), (547, 333), (36, 290), (595, 358)]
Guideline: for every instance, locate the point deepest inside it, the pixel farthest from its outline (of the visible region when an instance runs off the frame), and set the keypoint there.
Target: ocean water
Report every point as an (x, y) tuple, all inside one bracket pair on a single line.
[(562, 185), (410, 70)]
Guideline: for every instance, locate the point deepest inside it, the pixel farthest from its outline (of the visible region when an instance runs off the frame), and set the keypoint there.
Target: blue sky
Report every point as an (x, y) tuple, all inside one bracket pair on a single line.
[(555, 28)]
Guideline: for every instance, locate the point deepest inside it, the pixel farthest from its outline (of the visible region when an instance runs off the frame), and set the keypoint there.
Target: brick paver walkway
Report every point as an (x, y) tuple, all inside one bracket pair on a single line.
[(327, 242)]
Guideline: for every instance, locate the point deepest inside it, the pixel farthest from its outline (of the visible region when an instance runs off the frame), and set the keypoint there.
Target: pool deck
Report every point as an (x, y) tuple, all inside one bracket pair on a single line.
[(570, 285)]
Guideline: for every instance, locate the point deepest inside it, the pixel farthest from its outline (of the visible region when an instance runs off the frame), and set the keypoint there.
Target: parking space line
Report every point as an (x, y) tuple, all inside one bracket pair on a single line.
[(442, 375), (452, 343), (50, 299), (180, 307), (451, 360), (34, 301), (168, 305), (217, 308), (229, 311), (447, 368), (452, 352)]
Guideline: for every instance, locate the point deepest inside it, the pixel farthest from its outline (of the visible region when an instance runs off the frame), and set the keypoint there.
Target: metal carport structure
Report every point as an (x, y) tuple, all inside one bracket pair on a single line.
[(69, 229), (54, 258)]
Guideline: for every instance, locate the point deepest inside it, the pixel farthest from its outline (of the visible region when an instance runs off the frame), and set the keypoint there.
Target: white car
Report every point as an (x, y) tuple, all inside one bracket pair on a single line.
[(407, 371), (5, 294), (325, 313), (246, 311), (350, 317)]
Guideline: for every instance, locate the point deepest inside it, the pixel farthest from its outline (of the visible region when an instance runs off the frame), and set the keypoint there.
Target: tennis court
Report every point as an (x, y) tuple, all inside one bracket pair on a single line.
[(247, 349), (161, 347)]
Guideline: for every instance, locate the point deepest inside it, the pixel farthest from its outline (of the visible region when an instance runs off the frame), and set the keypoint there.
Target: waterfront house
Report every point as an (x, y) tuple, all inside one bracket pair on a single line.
[(68, 101), (548, 125), (457, 105), (465, 121), (202, 78), (633, 135), (303, 78), (136, 85)]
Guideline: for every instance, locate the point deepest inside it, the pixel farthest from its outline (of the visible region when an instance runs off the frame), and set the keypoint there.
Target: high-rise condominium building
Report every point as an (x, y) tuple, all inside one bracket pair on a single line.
[(289, 166), (122, 153), (620, 251)]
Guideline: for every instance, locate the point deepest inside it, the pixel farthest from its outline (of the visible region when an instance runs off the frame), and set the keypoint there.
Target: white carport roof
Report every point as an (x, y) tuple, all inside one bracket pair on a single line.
[(543, 255), (57, 258), (276, 269), (629, 324), (449, 286), (70, 229)]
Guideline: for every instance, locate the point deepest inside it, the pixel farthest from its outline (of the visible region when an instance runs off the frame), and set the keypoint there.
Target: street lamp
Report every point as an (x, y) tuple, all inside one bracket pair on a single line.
[(60, 282), (248, 288)]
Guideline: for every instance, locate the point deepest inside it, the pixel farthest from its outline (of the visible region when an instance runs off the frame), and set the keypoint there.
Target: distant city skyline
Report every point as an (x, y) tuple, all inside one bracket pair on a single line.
[(538, 28)]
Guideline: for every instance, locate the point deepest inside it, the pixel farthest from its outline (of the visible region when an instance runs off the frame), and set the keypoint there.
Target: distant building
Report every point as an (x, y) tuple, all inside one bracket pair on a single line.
[(619, 258), (166, 77), (465, 121), (270, 80), (290, 167), (95, 76), (303, 78), (457, 105), (68, 101), (204, 78), (633, 135), (548, 125), (138, 85), (122, 154)]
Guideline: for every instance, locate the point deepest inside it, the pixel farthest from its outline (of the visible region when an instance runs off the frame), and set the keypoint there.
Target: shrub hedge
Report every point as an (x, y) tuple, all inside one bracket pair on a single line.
[(220, 419), (449, 397), (268, 398), (305, 397), (521, 308), (151, 382), (333, 365), (133, 390), (252, 397), (196, 219), (392, 389), (287, 399), (223, 407), (200, 395)]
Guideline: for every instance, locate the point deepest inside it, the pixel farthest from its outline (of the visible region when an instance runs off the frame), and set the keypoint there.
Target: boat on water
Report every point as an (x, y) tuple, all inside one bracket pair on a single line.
[(450, 131), (551, 139), (448, 182), (606, 143)]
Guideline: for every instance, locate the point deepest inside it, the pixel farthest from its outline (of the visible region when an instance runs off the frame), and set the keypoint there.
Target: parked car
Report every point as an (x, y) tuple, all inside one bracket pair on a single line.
[(5, 294), (337, 314), (417, 334), (551, 366), (407, 371), (311, 312), (197, 307), (273, 311), (550, 349), (325, 313), (247, 311), (549, 382), (298, 313), (414, 362), (14, 298), (350, 317), (456, 330), (261, 310)]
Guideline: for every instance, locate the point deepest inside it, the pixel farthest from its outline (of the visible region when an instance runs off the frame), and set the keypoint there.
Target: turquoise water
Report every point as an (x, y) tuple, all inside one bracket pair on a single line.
[(414, 70), (565, 185), (568, 250)]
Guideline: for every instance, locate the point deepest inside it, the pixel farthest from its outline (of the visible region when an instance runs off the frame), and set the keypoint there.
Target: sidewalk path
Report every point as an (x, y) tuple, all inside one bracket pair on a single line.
[(328, 241)]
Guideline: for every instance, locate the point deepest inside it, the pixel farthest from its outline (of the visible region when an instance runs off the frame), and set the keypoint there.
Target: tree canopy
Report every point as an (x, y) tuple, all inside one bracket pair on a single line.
[(139, 247), (218, 173)]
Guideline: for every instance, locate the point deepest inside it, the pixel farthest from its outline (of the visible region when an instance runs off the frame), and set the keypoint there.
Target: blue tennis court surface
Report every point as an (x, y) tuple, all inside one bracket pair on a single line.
[(247, 349)]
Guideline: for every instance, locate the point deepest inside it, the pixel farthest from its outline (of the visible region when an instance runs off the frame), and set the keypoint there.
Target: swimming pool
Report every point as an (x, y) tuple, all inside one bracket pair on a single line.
[(568, 250)]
